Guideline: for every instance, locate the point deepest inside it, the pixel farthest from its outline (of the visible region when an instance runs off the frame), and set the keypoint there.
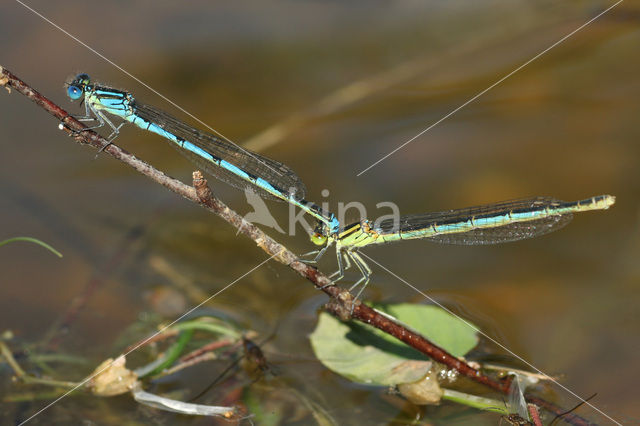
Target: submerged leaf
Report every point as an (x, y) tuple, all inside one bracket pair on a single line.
[(168, 404), (112, 378), (426, 391)]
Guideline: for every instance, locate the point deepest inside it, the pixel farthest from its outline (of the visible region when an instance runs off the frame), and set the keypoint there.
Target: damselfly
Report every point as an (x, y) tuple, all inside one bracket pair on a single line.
[(218, 157), (488, 224)]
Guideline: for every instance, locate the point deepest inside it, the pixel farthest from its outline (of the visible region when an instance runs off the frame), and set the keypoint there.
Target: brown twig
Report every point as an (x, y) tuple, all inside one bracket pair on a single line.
[(209, 347), (159, 337), (342, 302)]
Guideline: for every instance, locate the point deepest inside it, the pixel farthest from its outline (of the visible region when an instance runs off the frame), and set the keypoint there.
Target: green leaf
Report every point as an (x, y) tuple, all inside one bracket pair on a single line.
[(364, 354)]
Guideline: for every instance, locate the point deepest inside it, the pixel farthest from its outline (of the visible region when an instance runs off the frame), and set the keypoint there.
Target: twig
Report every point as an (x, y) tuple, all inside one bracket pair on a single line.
[(209, 347), (207, 356), (342, 302), (160, 337)]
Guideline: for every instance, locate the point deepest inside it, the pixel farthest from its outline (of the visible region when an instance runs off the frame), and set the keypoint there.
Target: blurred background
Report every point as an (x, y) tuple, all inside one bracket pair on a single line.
[(344, 83)]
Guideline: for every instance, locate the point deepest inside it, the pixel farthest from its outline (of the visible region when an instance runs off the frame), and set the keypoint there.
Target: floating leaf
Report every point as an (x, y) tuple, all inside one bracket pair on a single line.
[(364, 354)]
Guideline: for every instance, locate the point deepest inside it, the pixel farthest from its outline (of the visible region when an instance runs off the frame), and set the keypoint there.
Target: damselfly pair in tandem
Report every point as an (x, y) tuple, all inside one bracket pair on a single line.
[(487, 224)]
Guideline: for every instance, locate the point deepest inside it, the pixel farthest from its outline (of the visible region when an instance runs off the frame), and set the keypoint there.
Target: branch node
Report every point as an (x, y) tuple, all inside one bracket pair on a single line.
[(342, 305), (203, 192), (3, 83)]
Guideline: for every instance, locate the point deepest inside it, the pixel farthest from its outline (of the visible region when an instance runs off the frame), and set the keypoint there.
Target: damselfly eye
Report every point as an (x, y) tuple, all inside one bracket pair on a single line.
[(74, 92), (318, 239), (82, 78)]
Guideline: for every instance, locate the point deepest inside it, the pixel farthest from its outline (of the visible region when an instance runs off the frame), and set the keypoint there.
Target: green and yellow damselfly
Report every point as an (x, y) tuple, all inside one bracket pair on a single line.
[(487, 224)]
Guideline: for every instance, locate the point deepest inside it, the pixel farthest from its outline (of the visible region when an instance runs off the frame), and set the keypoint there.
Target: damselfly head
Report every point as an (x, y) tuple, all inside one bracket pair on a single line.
[(77, 86), (319, 235)]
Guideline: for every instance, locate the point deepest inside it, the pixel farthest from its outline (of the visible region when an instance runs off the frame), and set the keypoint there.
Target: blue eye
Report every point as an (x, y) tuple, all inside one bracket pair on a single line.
[(74, 92)]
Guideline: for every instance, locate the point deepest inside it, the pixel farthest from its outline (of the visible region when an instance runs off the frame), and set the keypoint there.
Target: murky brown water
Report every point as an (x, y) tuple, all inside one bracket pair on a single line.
[(566, 125)]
